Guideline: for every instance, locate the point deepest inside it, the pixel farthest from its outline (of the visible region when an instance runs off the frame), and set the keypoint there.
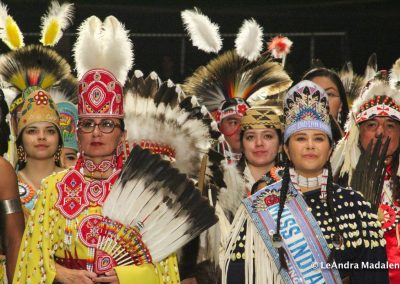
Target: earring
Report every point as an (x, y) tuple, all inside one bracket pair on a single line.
[(57, 155), (21, 154)]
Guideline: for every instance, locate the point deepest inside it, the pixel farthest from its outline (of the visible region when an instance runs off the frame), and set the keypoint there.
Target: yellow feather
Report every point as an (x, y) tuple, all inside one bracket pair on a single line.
[(13, 35), (47, 81), (18, 80), (51, 33)]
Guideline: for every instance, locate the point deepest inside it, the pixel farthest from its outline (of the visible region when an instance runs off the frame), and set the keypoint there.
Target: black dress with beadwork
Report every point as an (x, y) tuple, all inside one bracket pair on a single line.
[(363, 258)]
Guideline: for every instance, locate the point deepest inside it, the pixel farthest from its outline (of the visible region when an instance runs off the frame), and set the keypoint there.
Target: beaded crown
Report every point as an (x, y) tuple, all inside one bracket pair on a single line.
[(306, 107)]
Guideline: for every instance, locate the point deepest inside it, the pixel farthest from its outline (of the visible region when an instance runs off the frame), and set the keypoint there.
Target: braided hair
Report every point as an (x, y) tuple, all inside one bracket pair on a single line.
[(4, 127), (277, 238)]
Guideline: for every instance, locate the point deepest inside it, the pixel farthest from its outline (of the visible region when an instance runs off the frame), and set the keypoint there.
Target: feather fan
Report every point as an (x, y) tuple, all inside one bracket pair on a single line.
[(152, 211), (10, 33), (57, 19), (352, 82), (248, 42), (203, 33)]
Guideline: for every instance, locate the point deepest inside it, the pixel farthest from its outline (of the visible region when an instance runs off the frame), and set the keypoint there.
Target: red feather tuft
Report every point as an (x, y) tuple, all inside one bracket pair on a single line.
[(279, 46)]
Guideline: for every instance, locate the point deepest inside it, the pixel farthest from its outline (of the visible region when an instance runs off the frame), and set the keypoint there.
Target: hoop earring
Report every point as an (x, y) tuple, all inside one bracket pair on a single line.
[(57, 155), (21, 154)]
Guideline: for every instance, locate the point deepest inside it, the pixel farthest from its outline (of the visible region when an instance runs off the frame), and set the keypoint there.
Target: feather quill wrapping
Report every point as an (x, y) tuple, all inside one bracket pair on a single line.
[(203, 33), (248, 42), (229, 76), (10, 33), (57, 19), (159, 202), (103, 45)]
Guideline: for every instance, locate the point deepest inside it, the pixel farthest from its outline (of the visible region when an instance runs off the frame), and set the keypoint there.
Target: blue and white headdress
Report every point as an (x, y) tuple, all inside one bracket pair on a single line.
[(306, 107)]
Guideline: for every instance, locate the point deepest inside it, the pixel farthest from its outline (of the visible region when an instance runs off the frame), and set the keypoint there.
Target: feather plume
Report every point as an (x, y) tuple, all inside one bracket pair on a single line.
[(57, 19), (104, 45), (203, 33), (372, 67), (395, 75), (10, 33), (280, 46), (159, 208), (88, 47), (117, 49), (229, 76), (248, 42)]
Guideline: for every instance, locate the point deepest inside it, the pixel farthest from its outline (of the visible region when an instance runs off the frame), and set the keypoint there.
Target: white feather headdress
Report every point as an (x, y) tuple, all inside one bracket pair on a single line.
[(103, 45)]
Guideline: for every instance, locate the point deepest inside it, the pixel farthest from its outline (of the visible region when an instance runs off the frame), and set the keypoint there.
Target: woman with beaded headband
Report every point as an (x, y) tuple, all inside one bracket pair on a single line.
[(261, 136), (12, 219), (375, 115), (305, 223)]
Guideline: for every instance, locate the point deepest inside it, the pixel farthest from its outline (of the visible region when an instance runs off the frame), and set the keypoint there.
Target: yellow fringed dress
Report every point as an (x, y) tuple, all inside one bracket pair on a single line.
[(44, 240)]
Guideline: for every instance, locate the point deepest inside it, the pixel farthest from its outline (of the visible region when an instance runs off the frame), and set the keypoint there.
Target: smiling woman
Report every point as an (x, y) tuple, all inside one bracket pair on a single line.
[(297, 226)]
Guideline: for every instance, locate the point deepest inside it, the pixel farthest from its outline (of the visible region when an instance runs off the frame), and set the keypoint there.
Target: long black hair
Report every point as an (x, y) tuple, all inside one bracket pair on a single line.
[(334, 77), (4, 127)]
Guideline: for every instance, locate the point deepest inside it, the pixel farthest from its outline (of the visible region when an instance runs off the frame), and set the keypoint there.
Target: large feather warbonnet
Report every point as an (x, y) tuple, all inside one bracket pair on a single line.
[(159, 118), (152, 211)]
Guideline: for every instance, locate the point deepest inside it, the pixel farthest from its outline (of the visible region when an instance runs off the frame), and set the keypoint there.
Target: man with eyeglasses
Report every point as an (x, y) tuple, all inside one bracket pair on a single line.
[(376, 114)]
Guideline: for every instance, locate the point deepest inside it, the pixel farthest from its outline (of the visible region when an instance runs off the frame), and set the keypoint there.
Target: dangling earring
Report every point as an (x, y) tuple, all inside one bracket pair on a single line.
[(57, 155), (21, 154)]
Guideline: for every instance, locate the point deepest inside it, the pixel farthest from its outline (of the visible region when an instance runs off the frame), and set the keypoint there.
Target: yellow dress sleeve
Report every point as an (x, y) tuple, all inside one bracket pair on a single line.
[(35, 260), (164, 272)]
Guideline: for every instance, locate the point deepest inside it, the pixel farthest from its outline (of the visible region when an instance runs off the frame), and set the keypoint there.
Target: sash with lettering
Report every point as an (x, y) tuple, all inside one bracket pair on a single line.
[(304, 243)]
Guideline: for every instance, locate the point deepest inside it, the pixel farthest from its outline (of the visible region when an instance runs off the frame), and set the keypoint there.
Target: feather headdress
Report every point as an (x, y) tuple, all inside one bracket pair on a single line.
[(377, 98), (159, 118), (230, 76), (103, 45), (33, 65), (352, 82), (152, 211)]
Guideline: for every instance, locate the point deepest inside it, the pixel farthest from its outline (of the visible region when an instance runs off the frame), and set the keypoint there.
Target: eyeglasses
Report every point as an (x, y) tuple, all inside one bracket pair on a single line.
[(105, 125)]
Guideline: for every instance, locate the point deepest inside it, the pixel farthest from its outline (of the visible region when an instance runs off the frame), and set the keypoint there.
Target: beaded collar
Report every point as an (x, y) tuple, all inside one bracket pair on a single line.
[(321, 180)]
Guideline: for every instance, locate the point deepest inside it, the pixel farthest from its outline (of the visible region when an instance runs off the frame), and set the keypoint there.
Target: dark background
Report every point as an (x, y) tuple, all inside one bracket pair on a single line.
[(365, 27)]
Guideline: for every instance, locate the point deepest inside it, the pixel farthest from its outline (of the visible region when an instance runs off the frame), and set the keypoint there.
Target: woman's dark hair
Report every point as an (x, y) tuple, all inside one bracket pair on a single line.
[(4, 127), (22, 164), (337, 237), (334, 77)]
